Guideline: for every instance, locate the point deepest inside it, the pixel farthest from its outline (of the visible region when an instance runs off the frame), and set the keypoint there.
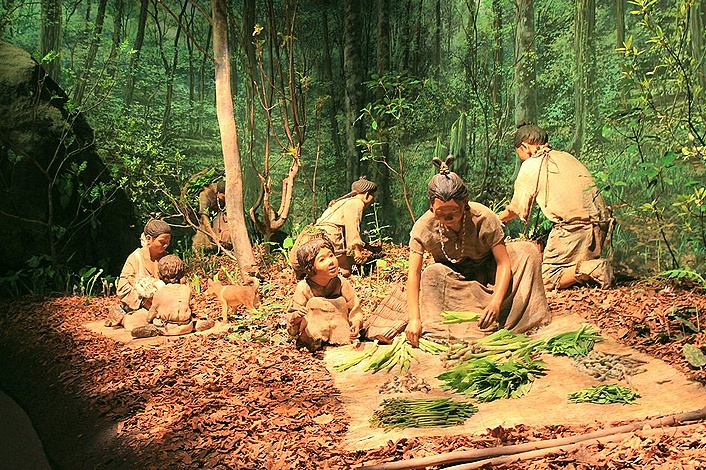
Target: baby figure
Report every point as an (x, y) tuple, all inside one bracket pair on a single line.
[(324, 308), (170, 312)]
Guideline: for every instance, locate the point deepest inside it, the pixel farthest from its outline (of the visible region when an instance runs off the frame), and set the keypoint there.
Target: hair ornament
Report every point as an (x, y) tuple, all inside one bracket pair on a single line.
[(444, 167)]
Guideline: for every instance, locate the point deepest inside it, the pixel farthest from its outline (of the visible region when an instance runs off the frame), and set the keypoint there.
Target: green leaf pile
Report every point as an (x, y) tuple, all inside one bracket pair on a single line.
[(604, 394), (421, 413), (487, 380), (574, 343)]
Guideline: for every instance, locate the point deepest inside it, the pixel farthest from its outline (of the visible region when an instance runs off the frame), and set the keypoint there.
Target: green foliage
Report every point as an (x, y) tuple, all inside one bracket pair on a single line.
[(694, 356), (421, 413), (604, 394)]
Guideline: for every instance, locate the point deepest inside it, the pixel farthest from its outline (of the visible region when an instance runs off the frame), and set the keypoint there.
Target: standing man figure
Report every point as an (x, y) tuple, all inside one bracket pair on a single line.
[(564, 190)]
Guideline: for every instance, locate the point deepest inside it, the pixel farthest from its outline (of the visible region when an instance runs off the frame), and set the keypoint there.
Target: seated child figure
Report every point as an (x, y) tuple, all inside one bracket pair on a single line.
[(170, 312), (324, 308)]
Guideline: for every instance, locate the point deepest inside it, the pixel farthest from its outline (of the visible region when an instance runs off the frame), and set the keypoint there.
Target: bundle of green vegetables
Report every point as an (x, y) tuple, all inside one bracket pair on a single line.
[(501, 344), (574, 343), (431, 347), (357, 359), (453, 316), (421, 413), (399, 353), (604, 394), (487, 379)]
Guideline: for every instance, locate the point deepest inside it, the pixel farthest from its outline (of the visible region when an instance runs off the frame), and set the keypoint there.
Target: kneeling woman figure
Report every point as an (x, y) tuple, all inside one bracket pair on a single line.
[(473, 269)]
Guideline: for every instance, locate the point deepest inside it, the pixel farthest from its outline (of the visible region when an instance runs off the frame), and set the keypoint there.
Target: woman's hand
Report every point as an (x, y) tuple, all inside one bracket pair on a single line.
[(355, 331), (358, 255), (489, 316), (413, 331)]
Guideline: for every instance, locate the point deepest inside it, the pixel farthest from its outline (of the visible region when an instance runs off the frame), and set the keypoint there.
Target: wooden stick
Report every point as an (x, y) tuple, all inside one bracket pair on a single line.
[(457, 457), (568, 448)]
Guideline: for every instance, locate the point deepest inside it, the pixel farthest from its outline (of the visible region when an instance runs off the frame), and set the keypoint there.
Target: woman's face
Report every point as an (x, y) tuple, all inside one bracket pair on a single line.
[(450, 212), (326, 263), (158, 245)]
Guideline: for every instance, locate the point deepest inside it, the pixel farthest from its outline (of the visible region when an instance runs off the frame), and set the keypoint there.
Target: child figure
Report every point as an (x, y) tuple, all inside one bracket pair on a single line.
[(325, 308), (170, 312)]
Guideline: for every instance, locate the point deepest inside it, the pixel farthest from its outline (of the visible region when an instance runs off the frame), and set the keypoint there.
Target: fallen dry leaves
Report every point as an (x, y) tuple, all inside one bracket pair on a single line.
[(218, 401)]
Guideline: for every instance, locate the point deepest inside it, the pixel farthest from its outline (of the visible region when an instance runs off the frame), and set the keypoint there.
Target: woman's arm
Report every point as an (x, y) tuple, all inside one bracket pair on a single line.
[(414, 322), (503, 275)]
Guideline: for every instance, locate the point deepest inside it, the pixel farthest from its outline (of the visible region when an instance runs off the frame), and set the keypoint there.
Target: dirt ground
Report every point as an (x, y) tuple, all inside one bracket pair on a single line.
[(243, 397)]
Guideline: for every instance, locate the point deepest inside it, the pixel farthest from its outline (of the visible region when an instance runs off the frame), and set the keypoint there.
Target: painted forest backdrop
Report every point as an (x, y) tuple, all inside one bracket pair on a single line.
[(325, 91)]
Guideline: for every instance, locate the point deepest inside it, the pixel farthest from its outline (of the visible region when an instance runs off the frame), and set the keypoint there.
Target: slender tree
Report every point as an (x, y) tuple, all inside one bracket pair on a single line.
[(697, 19), (137, 48), (620, 22), (50, 38), (229, 140), (353, 73), (584, 25), (525, 64), (383, 67), (82, 76)]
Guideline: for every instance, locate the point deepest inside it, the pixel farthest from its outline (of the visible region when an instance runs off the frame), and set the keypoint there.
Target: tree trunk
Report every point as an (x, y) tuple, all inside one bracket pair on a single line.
[(620, 22), (50, 39), (170, 70), (383, 67), (137, 47), (583, 57), (697, 20), (92, 52), (328, 70), (437, 38), (229, 141), (525, 64), (353, 78), (497, 85)]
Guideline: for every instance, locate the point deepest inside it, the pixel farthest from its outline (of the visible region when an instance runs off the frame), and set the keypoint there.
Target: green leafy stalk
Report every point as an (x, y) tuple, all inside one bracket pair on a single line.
[(574, 343), (357, 359), (421, 413), (453, 316), (604, 394)]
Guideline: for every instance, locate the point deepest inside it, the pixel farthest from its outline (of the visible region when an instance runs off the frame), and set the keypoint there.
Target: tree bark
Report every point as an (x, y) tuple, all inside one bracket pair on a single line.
[(620, 22), (229, 141), (696, 25), (498, 57), (137, 47), (328, 70), (352, 70), (92, 52), (50, 38), (383, 67), (525, 64), (583, 57)]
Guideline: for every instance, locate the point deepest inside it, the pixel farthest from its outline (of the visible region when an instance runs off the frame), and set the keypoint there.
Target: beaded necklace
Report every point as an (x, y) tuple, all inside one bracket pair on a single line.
[(460, 235)]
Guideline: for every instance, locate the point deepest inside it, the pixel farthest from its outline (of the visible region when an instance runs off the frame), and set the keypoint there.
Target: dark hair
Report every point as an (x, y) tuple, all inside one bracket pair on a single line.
[(446, 185), (530, 134), (171, 269), (156, 227), (306, 255), (221, 186)]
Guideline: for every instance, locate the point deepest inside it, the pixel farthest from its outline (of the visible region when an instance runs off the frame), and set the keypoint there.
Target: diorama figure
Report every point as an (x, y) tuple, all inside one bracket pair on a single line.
[(473, 269), (139, 278), (565, 192), (324, 309), (340, 223), (170, 313), (212, 217)]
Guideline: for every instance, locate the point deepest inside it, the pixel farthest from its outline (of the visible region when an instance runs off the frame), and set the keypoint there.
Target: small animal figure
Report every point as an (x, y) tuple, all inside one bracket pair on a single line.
[(235, 295)]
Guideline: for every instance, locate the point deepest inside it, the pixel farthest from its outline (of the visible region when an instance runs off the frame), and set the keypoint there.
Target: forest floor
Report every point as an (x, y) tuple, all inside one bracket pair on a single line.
[(245, 398)]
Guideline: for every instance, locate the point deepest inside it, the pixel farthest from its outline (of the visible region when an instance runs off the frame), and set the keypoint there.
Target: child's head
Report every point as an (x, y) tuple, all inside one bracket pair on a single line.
[(316, 255), (171, 269)]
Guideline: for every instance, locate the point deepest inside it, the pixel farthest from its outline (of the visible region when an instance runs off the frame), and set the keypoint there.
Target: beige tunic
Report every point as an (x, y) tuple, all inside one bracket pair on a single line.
[(568, 197), (133, 270), (340, 223), (468, 283), (328, 312)]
